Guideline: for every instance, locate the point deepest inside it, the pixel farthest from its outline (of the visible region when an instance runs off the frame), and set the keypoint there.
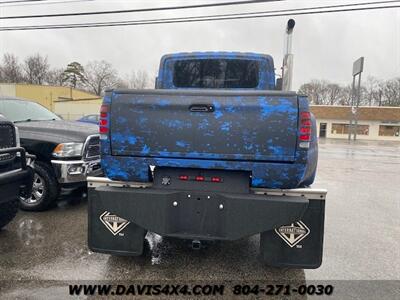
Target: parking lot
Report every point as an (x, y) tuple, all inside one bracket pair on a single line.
[(362, 236)]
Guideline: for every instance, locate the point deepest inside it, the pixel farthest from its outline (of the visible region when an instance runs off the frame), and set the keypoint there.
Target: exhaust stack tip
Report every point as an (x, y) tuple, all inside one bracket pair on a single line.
[(290, 25)]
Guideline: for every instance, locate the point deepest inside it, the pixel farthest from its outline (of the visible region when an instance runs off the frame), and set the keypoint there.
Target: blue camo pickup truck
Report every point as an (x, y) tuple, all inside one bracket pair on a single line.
[(214, 152)]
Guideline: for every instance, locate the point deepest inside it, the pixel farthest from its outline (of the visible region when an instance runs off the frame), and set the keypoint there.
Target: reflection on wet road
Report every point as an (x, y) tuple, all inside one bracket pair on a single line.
[(361, 241)]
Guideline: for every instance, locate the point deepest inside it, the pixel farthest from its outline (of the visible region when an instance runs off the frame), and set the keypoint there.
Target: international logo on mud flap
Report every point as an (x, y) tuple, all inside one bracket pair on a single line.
[(113, 223), (294, 233)]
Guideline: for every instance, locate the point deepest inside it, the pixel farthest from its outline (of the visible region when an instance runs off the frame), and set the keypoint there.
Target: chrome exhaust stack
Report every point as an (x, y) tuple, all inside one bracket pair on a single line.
[(287, 67)]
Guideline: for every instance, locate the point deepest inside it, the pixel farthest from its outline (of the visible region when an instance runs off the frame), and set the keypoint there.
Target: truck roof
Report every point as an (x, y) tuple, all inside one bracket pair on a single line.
[(217, 54)]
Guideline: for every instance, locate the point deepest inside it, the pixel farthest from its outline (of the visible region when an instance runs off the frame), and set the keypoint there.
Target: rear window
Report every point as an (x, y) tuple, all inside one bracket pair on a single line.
[(216, 73)]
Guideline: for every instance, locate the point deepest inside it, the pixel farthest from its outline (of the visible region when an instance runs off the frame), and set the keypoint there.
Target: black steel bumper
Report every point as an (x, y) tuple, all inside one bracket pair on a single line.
[(16, 177), (195, 215), (291, 222)]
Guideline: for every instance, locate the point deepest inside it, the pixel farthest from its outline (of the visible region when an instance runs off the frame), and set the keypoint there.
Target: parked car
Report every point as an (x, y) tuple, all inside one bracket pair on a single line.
[(15, 171), (93, 119), (66, 151)]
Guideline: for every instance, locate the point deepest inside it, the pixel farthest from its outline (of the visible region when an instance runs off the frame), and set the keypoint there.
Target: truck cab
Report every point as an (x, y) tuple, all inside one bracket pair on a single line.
[(216, 70), (215, 152)]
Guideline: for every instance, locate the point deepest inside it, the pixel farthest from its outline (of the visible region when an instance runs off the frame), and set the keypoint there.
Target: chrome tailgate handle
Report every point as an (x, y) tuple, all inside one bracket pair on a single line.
[(201, 108)]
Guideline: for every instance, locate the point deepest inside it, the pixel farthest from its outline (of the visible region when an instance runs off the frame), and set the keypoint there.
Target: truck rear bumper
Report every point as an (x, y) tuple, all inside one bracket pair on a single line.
[(291, 222), (195, 215)]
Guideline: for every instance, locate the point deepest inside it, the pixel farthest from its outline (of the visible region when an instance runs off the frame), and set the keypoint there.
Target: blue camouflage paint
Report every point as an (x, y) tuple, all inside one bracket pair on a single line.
[(189, 142), (268, 175), (260, 127), (182, 144)]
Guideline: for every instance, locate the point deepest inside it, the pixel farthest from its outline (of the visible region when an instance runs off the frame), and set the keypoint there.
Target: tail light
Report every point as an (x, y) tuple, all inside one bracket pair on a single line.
[(305, 129), (103, 123)]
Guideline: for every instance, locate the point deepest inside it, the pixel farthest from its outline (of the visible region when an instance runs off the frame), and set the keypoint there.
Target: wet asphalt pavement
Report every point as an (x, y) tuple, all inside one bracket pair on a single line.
[(39, 251)]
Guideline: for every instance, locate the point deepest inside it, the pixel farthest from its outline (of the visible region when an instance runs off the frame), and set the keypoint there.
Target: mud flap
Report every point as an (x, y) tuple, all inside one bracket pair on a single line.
[(297, 245), (109, 233)]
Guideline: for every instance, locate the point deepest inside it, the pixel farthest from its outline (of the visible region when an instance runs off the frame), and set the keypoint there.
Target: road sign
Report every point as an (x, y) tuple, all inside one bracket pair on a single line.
[(358, 66)]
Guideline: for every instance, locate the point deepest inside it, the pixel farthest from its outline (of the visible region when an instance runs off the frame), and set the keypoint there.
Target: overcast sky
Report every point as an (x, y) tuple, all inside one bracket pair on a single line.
[(324, 46)]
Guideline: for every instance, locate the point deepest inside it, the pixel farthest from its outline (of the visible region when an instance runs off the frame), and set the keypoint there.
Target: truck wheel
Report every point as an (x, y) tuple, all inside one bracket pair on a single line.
[(45, 189), (8, 210)]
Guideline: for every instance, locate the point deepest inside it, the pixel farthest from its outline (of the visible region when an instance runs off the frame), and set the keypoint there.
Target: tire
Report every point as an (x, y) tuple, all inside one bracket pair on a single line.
[(45, 189), (8, 210)]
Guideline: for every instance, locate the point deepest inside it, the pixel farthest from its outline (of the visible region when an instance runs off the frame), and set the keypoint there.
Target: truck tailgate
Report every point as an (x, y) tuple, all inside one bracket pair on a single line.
[(206, 124)]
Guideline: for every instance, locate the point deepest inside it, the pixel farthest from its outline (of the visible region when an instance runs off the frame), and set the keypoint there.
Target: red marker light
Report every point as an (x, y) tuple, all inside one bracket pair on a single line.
[(215, 179), (199, 178), (184, 177)]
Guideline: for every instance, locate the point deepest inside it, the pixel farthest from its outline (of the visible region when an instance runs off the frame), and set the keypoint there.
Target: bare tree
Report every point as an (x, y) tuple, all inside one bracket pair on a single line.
[(372, 91), (36, 69), (312, 90), (121, 84), (139, 80), (10, 70), (345, 95), (55, 77), (320, 92), (333, 93), (391, 92), (100, 75), (136, 80), (73, 75)]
